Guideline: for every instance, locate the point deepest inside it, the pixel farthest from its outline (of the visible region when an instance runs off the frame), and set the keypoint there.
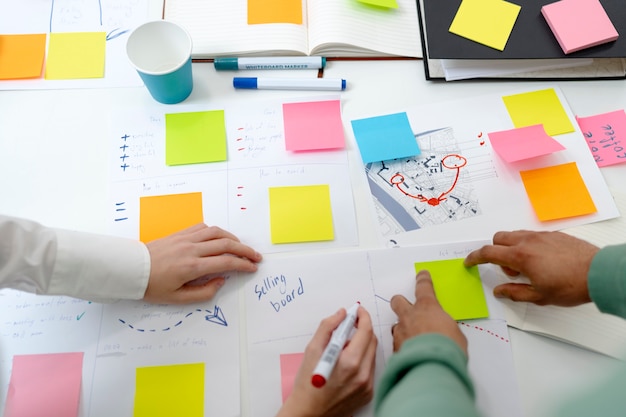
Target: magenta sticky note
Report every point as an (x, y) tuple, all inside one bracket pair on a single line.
[(45, 385), (314, 125), (289, 365), (579, 24), (523, 143), (606, 136)]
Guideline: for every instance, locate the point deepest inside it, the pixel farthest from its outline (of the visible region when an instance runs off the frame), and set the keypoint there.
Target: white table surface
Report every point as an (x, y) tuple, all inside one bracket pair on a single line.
[(54, 154)]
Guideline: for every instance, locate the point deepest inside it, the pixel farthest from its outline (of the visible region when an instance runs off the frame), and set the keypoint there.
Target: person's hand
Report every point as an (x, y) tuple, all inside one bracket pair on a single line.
[(425, 316), (180, 261), (556, 264), (351, 384)]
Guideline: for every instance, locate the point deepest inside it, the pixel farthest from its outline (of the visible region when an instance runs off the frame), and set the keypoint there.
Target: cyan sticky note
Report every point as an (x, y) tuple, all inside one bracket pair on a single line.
[(385, 137), (579, 24)]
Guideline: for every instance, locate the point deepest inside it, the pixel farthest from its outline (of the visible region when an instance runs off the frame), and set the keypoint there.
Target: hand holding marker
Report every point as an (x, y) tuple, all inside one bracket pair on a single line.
[(340, 336)]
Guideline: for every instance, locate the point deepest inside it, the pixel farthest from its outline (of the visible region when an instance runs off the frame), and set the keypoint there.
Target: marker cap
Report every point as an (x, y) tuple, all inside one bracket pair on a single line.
[(318, 381), (226, 63), (245, 82)]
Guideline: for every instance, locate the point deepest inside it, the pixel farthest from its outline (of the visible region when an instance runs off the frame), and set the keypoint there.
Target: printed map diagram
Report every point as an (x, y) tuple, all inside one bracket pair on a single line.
[(433, 188)]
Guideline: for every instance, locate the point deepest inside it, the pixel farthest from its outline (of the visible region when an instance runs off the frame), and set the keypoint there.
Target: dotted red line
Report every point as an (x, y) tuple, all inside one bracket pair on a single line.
[(497, 336)]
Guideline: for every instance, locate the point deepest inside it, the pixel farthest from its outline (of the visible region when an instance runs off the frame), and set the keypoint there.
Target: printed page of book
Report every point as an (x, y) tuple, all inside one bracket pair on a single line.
[(222, 29), (351, 28)]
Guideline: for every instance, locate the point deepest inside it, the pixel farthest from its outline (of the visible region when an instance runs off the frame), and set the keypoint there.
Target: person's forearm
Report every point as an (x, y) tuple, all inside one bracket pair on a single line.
[(43, 260), (607, 280), (428, 377)]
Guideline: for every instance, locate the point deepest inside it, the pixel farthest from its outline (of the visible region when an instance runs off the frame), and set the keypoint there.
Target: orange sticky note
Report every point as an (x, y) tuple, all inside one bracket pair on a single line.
[(45, 385), (558, 192), (163, 215), (274, 11), (76, 55), (22, 56), (289, 365)]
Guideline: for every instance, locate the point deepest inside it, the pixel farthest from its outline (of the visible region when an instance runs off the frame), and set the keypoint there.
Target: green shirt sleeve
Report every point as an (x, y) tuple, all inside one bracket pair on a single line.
[(428, 376), (606, 280)]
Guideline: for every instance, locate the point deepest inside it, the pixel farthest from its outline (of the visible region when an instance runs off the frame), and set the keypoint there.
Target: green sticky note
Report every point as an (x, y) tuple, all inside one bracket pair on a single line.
[(539, 107), (300, 214), (389, 4), (75, 55), (458, 289), (488, 22), (195, 137), (172, 390)]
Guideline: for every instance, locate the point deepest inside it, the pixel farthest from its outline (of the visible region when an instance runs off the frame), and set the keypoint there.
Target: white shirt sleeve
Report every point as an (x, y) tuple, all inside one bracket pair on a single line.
[(51, 261)]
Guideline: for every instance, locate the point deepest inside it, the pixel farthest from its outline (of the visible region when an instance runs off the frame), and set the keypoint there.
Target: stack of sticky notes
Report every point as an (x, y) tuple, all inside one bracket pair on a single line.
[(579, 24)]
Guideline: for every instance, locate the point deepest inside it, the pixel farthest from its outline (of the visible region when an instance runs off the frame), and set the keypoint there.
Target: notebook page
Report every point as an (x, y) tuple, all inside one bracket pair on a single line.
[(583, 325), (220, 28), (351, 28)]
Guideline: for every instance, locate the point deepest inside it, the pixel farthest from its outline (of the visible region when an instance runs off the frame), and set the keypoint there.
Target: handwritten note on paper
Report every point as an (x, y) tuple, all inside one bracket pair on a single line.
[(195, 137), (488, 22), (539, 107), (289, 365), (45, 385), (300, 214), (523, 143), (22, 56), (458, 289), (274, 11), (385, 137), (313, 125), (173, 390), (557, 192), (75, 55), (162, 215), (604, 133)]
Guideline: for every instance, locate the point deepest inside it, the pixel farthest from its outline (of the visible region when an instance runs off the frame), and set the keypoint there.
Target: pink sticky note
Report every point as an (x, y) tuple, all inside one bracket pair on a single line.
[(45, 385), (604, 134), (313, 125), (523, 143), (579, 24), (289, 365)]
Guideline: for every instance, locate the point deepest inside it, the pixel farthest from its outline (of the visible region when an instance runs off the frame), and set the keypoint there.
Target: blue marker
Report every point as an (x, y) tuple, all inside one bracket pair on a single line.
[(334, 84), (270, 63)]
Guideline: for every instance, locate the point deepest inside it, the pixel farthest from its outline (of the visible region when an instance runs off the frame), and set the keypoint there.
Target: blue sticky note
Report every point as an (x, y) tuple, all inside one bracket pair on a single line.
[(386, 137)]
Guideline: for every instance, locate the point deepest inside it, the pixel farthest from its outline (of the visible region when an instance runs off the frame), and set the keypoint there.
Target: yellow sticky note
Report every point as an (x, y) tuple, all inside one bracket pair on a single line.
[(557, 192), (172, 390), (458, 289), (163, 215), (488, 22), (536, 108), (195, 137), (76, 55), (388, 4), (300, 214), (274, 11), (22, 56)]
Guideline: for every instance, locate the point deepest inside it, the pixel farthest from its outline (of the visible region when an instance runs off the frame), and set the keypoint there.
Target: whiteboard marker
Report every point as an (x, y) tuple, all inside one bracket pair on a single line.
[(270, 63), (335, 84), (338, 340)]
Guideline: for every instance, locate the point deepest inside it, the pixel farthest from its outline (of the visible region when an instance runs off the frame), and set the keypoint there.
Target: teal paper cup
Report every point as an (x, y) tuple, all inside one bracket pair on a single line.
[(160, 51)]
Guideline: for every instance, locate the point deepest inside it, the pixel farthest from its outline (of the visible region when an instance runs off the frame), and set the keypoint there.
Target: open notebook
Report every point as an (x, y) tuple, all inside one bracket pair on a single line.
[(584, 325), (346, 28)]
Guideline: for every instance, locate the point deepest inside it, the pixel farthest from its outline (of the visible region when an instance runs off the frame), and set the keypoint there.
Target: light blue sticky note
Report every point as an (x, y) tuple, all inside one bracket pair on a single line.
[(386, 137)]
